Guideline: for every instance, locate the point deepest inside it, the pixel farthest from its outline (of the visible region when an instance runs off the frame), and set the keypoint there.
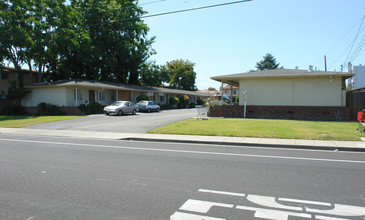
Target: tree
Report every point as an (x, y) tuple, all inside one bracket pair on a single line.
[(181, 74), (117, 38), (87, 39), (150, 74), (268, 63), (212, 89)]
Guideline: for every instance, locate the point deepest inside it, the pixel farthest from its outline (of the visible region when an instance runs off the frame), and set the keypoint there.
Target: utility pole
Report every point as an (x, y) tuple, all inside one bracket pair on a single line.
[(325, 63)]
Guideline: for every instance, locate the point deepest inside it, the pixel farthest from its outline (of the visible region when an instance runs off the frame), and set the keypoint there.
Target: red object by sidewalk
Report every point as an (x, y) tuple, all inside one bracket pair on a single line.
[(361, 116)]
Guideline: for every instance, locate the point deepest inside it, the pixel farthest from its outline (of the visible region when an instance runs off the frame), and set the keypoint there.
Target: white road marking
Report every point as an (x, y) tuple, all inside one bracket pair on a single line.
[(273, 214), (188, 151), (269, 201), (267, 207), (193, 205), (304, 201), (341, 210), (186, 216), (221, 192), (329, 218)]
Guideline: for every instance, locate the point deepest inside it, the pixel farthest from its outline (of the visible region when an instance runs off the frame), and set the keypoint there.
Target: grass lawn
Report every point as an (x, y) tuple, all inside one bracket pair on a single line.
[(22, 121), (266, 128)]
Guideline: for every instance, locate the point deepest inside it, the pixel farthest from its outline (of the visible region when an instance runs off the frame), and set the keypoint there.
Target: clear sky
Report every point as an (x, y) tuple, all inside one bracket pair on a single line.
[(232, 39)]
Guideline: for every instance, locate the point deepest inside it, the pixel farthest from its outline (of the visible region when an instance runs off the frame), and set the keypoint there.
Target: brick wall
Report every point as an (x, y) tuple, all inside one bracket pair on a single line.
[(283, 112)]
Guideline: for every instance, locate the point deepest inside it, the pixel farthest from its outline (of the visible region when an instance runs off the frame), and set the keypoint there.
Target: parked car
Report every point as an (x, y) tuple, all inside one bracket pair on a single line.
[(148, 106), (120, 108)]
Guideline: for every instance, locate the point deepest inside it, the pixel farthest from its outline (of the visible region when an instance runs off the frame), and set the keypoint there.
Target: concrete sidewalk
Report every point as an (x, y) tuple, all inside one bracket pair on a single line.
[(238, 141)]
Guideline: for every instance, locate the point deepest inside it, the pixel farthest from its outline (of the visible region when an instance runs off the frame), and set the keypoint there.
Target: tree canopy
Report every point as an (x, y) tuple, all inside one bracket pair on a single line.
[(181, 74), (268, 63), (95, 39)]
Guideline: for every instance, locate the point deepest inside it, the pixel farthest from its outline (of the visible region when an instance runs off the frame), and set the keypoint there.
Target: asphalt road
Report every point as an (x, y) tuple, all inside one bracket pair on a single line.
[(64, 178), (139, 123)]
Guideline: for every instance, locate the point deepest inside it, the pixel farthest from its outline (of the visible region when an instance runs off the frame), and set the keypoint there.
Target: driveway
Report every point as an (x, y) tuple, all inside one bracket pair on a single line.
[(139, 123)]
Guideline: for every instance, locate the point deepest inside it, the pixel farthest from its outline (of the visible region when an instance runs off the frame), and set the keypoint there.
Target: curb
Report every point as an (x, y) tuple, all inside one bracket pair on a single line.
[(283, 146)]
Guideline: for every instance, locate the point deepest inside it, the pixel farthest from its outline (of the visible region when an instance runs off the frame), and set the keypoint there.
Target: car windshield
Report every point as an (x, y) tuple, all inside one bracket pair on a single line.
[(117, 104), (142, 102)]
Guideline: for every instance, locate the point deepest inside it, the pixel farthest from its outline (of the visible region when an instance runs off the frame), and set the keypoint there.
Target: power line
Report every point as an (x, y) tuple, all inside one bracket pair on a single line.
[(351, 43), (147, 3), (338, 43), (155, 15), (194, 9), (357, 34), (172, 12)]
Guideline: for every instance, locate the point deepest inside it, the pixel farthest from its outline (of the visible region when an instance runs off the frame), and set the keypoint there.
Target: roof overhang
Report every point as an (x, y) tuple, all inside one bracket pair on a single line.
[(113, 86), (234, 79)]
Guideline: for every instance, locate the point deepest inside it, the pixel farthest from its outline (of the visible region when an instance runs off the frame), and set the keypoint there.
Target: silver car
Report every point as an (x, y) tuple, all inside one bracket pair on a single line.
[(148, 106), (120, 108)]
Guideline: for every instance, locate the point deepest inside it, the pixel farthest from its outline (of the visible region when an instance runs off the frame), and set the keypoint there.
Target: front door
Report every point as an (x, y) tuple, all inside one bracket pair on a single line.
[(91, 96)]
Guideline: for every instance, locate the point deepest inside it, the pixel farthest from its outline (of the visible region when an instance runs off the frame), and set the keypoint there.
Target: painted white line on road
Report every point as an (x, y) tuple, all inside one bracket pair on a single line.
[(341, 210), (222, 192), (193, 205), (187, 151), (320, 217), (186, 216), (304, 201), (269, 201), (273, 214)]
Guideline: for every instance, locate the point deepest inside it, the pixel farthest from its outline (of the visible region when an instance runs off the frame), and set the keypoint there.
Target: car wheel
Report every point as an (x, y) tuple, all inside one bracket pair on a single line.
[(148, 110), (134, 112), (157, 109), (120, 113)]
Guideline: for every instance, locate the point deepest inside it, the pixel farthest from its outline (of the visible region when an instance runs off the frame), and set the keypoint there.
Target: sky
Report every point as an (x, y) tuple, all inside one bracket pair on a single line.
[(233, 38)]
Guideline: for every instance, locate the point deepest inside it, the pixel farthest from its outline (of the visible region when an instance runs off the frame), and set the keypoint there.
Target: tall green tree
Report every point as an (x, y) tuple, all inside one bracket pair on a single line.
[(268, 63), (15, 30), (116, 39), (151, 74), (87, 39), (181, 74)]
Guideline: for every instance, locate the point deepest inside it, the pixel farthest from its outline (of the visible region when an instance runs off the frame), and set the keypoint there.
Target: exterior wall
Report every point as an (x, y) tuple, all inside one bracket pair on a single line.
[(70, 96), (284, 112), (7, 76), (227, 92), (305, 91), (359, 78), (54, 96), (124, 95)]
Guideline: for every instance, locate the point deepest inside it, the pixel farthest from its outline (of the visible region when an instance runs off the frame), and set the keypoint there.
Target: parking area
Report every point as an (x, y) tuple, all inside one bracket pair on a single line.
[(139, 123)]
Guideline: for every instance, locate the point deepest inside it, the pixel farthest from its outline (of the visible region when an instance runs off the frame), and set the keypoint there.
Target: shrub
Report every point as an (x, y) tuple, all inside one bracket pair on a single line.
[(49, 109), (15, 110), (173, 100), (192, 105), (200, 101), (93, 108), (143, 97), (184, 100)]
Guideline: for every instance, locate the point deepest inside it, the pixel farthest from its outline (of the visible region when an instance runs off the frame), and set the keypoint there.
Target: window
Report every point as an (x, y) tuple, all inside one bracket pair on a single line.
[(77, 92), (235, 92), (162, 98), (101, 95), (226, 91)]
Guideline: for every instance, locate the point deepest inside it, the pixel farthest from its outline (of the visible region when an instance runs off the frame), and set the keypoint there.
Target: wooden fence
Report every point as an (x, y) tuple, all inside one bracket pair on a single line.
[(355, 100)]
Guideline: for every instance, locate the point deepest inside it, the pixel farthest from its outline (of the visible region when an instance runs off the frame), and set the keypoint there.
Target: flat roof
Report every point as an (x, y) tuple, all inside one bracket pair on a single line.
[(234, 78), (111, 85)]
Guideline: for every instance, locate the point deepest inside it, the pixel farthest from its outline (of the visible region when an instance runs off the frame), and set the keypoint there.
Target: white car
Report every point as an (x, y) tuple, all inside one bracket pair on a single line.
[(120, 108), (148, 106)]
